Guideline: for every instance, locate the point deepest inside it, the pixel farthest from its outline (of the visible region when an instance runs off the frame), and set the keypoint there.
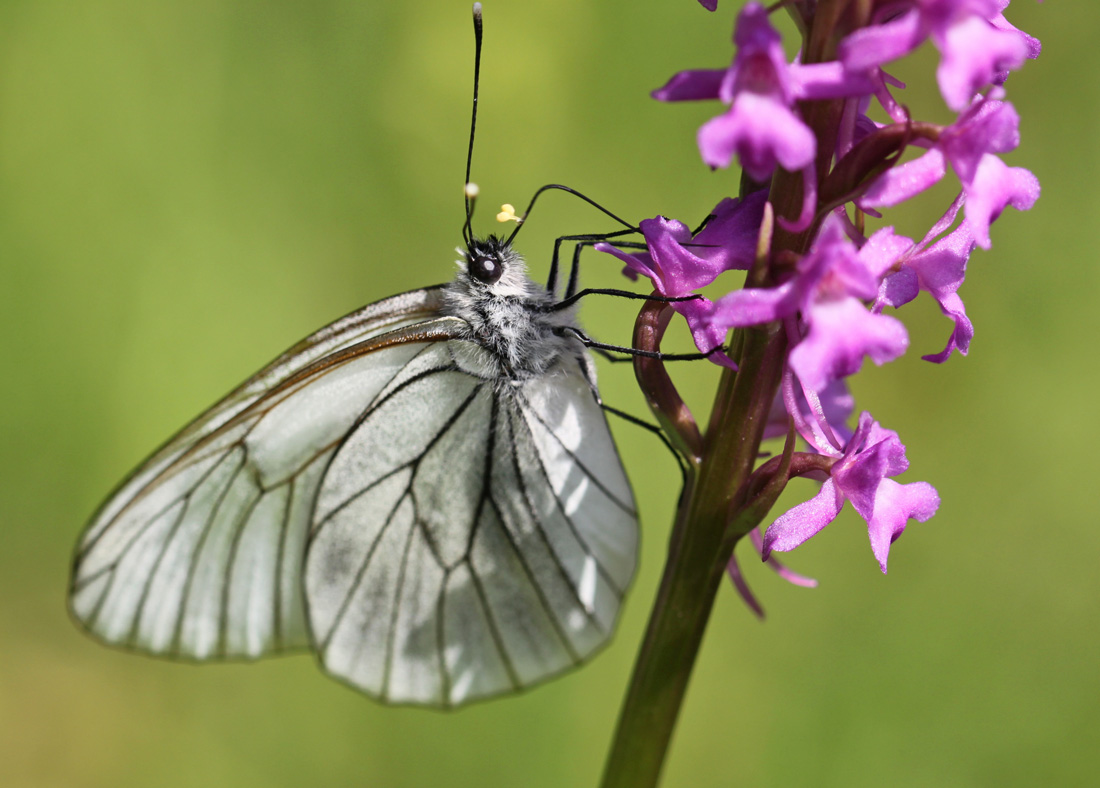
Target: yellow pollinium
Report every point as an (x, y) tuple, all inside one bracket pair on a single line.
[(508, 214)]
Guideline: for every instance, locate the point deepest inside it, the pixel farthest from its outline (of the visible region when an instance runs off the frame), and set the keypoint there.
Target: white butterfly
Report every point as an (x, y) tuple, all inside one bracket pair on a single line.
[(425, 493)]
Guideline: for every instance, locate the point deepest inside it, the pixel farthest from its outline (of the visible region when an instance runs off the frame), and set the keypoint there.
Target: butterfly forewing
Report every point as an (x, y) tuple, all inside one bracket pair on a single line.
[(372, 320), (199, 552), (480, 547)]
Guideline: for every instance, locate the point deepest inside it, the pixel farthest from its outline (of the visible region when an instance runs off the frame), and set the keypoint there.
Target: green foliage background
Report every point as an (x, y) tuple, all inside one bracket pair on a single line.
[(187, 188)]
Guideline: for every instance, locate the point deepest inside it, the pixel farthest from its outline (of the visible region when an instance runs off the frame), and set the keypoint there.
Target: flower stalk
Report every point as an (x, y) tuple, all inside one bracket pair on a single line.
[(700, 546)]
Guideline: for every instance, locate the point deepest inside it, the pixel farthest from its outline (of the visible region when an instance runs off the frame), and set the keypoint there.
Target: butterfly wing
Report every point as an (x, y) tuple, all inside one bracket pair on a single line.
[(464, 536), (198, 553), (471, 537)]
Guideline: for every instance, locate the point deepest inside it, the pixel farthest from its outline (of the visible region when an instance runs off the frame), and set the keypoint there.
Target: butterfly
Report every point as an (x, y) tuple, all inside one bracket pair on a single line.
[(425, 493)]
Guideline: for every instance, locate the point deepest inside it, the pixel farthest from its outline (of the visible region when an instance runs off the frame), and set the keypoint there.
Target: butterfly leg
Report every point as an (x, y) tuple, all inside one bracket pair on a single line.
[(568, 302), (656, 431), (588, 342), (586, 240)]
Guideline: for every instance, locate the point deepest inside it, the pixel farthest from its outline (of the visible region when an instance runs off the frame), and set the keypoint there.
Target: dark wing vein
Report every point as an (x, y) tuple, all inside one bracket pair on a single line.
[(196, 554), (541, 528), (343, 504), (391, 634), (106, 593), (441, 638), (323, 642), (185, 496), (498, 640), (541, 466), (186, 500), (240, 522), (483, 498), (595, 479), (280, 556), (535, 585), (406, 493)]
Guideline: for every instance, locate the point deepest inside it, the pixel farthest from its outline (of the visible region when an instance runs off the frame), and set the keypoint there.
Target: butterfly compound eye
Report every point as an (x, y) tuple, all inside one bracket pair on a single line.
[(485, 268)]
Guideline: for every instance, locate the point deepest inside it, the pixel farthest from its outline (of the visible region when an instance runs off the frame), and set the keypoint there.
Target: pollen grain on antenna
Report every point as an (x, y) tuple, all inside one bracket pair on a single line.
[(472, 190)]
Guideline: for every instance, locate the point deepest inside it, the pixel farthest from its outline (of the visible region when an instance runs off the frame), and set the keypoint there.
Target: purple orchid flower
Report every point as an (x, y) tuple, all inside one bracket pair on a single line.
[(827, 291), (978, 45), (761, 127), (828, 284), (818, 285), (678, 263), (860, 476), (936, 267), (988, 127)]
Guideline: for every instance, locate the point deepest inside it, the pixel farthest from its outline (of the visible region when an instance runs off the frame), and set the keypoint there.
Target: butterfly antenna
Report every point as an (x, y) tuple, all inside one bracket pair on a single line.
[(471, 194), (575, 193)]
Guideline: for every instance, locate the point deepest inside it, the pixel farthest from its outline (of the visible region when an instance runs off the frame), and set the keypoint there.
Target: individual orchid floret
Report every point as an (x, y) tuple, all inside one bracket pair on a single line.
[(827, 293), (861, 476), (978, 46), (678, 263), (760, 126), (987, 128), (937, 267), (760, 87)]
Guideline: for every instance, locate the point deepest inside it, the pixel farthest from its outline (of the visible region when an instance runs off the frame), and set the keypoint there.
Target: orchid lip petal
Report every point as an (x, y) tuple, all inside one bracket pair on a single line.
[(895, 505), (841, 334)]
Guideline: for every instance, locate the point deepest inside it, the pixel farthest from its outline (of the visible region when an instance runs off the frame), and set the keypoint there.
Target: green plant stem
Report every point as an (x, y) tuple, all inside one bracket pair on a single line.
[(715, 510), (700, 548)]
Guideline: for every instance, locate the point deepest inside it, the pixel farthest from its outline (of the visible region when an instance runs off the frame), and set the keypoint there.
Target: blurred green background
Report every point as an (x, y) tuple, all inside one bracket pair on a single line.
[(188, 188)]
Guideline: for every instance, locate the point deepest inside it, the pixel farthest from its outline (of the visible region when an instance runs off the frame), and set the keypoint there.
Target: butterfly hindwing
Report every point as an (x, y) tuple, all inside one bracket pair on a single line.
[(478, 550)]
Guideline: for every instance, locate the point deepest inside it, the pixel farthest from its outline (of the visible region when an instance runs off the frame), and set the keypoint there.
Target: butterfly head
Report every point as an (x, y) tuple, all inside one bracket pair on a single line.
[(490, 266), (488, 259)]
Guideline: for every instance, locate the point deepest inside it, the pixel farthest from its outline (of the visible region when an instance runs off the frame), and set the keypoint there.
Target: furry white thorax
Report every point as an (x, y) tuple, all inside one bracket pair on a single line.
[(510, 317)]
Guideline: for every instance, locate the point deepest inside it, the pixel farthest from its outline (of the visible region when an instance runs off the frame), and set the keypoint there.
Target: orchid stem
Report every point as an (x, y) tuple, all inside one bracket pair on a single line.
[(701, 546)]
